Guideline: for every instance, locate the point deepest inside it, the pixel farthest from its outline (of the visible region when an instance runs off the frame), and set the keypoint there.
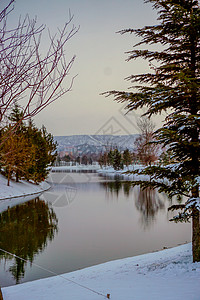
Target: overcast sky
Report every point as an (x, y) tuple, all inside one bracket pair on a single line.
[(100, 62)]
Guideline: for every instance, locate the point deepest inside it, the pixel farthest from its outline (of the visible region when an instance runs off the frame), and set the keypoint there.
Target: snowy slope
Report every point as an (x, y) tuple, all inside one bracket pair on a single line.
[(18, 192), (98, 142), (166, 275)]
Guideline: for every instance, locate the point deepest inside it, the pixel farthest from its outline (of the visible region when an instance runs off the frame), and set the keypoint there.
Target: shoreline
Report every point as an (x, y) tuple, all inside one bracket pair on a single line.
[(24, 195), (19, 192), (168, 272)]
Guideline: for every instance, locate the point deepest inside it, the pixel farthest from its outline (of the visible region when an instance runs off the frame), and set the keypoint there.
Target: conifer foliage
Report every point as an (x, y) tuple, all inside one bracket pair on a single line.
[(28, 152), (172, 85), (116, 159)]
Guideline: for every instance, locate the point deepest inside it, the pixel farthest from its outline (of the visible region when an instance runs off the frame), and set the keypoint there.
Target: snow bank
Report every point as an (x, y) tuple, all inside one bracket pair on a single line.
[(18, 192), (112, 172), (167, 275), (75, 168), (105, 170)]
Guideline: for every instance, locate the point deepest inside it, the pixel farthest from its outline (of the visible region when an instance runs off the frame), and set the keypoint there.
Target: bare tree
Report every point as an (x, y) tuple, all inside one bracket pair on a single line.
[(27, 76), (146, 150)]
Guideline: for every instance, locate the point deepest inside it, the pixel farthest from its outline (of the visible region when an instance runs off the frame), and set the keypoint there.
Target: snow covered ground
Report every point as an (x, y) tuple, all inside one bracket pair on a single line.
[(18, 192), (112, 172), (167, 275)]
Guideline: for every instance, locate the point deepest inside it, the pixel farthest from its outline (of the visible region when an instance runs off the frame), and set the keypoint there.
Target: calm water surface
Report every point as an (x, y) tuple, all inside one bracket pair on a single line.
[(85, 219)]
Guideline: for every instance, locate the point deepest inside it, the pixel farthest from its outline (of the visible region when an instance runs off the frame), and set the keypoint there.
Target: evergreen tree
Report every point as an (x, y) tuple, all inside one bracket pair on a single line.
[(44, 152), (111, 157), (7, 158), (127, 159), (172, 86), (21, 150), (16, 118), (28, 152), (67, 158), (16, 154), (117, 160)]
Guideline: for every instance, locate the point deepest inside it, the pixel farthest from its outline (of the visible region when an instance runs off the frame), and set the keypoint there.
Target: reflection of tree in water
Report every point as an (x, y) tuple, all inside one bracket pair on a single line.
[(127, 187), (25, 230), (148, 203), (114, 187)]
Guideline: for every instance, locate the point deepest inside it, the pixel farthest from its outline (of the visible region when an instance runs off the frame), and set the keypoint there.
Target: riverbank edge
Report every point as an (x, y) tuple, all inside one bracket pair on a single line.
[(26, 195), (173, 265), (21, 189)]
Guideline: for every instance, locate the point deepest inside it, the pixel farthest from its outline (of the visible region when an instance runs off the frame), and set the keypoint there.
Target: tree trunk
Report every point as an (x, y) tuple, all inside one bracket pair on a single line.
[(8, 181), (1, 296), (196, 234), (17, 176)]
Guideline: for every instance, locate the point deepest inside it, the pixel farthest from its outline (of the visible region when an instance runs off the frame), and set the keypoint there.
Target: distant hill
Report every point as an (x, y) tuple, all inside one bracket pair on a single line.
[(94, 143)]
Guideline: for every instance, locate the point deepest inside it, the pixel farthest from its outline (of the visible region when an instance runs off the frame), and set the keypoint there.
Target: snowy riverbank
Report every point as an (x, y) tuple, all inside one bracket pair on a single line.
[(104, 170), (168, 274), (107, 170), (18, 192)]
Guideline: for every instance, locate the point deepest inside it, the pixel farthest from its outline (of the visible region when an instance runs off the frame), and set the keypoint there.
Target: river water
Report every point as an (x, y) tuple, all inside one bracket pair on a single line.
[(83, 220)]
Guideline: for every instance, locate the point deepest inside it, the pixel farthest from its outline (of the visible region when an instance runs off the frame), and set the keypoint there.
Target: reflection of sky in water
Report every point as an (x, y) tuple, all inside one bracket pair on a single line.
[(102, 220)]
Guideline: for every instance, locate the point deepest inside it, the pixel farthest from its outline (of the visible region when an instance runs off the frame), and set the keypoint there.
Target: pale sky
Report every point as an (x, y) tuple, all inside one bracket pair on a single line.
[(100, 62)]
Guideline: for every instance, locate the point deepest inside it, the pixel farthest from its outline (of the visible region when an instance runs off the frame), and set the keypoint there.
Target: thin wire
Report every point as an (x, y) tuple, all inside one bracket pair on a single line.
[(72, 281)]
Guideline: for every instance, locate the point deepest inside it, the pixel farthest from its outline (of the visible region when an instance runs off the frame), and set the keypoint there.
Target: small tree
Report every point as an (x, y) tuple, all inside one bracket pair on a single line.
[(17, 155), (7, 158), (85, 160), (67, 158), (146, 149), (111, 157), (44, 153), (172, 86), (22, 150), (57, 161), (28, 152), (78, 159), (117, 160), (103, 159), (127, 157)]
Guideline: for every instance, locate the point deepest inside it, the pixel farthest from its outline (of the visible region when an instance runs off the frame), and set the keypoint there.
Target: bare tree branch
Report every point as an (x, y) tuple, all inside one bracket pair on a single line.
[(27, 76)]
